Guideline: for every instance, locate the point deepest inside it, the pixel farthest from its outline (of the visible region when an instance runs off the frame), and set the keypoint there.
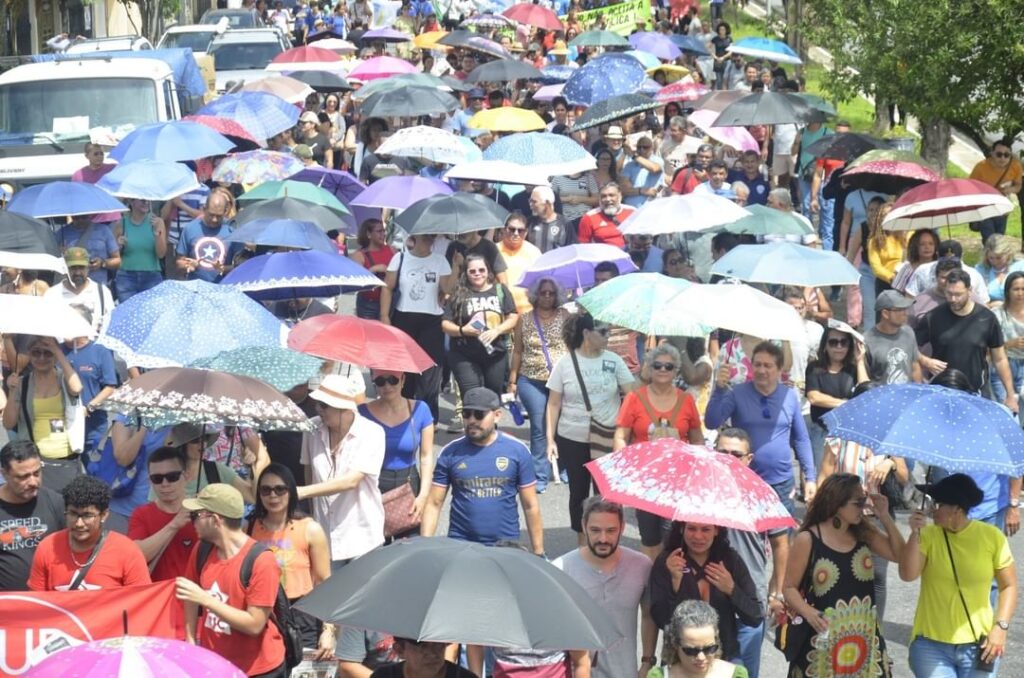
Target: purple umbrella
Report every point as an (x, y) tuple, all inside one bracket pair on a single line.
[(401, 191), (136, 655), (386, 35), (657, 44), (573, 266), (342, 185)]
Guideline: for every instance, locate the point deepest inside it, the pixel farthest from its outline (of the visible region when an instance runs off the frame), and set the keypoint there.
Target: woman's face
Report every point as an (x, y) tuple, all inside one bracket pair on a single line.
[(476, 273), (837, 345), (852, 512), (997, 261), (273, 493), (140, 205), (722, 31), (597, 338), (604, 161), (696, 648), (332, 103), (926, 247), (1016, 296), (699, 537), (41, 356), (873, 208), (663, 369), (547, 295), (388, 383), (377, 234)]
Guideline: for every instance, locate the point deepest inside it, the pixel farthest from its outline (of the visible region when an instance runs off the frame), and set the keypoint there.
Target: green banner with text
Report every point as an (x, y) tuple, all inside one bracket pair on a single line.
[(620, 18)]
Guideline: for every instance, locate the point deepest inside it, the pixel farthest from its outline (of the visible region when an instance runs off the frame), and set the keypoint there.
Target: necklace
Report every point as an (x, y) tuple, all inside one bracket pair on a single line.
[(92, 557)]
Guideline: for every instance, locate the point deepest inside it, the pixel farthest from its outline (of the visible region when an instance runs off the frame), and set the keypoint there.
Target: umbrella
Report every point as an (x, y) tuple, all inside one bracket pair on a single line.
[(887, 176), (291, 275), (503, 70), (401, 191), (229, 128), (328, 40), (475, 43), (429, 40), (176, 323), (135, 656), (603, 78), (572, 266), (45, 316), (671, 73), (282, 368), (321, 81), (598, 38), (894, 154), (845, 146), (63, 198), (646, 59), (616, 108), (818, 103), (767, 221), (302, 235), (739, 308), (548, 92), (299, 190), (545, 153), (488, 21), (255, 167), (451, 215), (507, 119), (291, 90), (786, 263), (682, 214), (737, 137), (534, 15), (342, 185), (957, 431), (439, 584), (367, 343), (172, 395), (171, 141), (27, 243), (426, 143), (497, 171), (558, 73), (262, 115), (637, 302), (409, 102), (399, 82), (765, 48), (149, 180), (690, 45), (946, 203), (326, 218), (304, 55), (767, 108), (385, 35), (380, 67), (685, 482), (680, 91), (719, 100), (658, 44)]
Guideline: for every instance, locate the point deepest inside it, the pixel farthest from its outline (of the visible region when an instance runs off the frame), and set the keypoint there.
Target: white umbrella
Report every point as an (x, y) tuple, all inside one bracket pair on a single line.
[(44, 316), (739, 308), (336, 45), (497, 171), (682, 214), (428, 143), (33, 261)]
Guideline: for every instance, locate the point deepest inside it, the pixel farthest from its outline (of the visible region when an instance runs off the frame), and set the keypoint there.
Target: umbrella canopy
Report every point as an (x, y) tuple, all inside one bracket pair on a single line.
[(302, 235), (818, 103), (135, 656), (321, 81), (507, 119), (737, 137), (255, 167), (685, 482), (558, 73), (845, 146), (658, 44), (262, 115), (408, 102), (598, 38), (149, 180), (767, 108), (399, 82), (767, 221), (946, 203), (786, 263), (229, 128), (548, 92), (545, 153), (572, 266), (637, 302), (172, 395), (603, 78), (280, 367), (439, 583), (504, 70), (385, 35), (429, 40), (451, 215), (63, 198), (304, 55), (401, 191), (28, 243), (343, 185), (765, 48), (497, 171), (887, 176), (689, 44), (380, 67), (177, 323), (475, 43), (367, 343), (616, 108), (171, 141), (327, 218), (291, 90), (299, 190), (886, 153), (534, 15), (45, 316), (679, 92), (426, 143), (292, 275), (719, 100), (326, 40), (646, 59), (488, 21), (957, 431), (739, 308), (682, 214)]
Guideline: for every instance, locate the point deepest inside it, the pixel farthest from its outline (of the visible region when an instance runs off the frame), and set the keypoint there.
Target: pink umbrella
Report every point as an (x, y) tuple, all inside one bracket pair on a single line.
[(136, 656), (737, 137), (680, 91), (305, 54), (946, 203), (380, 67), (548, 92), (534, 15), (888, 176)]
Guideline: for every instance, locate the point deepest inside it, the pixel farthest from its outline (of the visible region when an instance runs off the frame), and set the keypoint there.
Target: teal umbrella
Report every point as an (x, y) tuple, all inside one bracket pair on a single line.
[(767, 221), (638, 301), (301, 190), (398, 82), (598, 38), (818, 103), (282, 368)]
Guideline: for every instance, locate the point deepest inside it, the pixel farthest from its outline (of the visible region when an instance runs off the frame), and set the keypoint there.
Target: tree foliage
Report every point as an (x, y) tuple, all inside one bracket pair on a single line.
[(152, 14)]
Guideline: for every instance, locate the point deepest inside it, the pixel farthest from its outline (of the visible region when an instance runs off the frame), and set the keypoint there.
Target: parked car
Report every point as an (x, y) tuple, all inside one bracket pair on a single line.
[(241, 55)]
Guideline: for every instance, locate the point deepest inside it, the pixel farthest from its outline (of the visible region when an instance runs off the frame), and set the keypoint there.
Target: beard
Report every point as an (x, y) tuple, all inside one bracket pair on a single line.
[(602, 550)]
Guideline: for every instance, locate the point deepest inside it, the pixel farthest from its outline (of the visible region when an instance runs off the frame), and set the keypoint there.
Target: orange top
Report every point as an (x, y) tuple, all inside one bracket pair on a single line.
[(987, 173), (291, 550)]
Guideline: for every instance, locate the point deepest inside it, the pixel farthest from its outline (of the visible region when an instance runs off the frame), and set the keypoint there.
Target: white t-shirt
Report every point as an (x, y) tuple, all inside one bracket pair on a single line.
[(924, 279), (96, 298), (603, 377), (785, 135), (419, 283)]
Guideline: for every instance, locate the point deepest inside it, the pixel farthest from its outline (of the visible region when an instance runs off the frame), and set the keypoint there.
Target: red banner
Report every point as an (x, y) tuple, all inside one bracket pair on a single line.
[(36, 624)]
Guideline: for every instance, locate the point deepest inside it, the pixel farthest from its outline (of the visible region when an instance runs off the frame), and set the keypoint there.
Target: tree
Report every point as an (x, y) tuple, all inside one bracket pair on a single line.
[(152, 14)]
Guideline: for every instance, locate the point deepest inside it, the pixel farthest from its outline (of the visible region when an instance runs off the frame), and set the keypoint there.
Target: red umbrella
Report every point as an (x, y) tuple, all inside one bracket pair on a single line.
[(367, 343), (888, 176), (680, 91), (534, 15), (946, 203), (685, 482), (228, 128), (305, 55)]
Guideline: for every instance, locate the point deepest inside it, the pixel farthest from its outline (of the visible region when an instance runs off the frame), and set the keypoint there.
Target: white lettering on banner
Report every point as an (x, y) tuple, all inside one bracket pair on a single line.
[(620, 18), (19, 648)]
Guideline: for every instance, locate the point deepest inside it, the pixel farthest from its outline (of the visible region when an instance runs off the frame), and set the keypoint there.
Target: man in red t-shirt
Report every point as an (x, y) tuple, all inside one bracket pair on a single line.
[(162, 528), (601, 225), (688, 178), (235, 622), (83, 556)]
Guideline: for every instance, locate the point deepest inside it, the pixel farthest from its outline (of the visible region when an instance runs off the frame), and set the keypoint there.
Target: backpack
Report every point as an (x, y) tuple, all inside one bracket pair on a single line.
[(280, 615)]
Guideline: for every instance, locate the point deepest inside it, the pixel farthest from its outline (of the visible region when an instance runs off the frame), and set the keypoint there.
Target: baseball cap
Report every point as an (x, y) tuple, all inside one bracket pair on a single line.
[(480, 398), (339, 391), (218, 498), (477, 93), (309, 116), (891, 300), (957, 489), (303, 152), (76, 256)]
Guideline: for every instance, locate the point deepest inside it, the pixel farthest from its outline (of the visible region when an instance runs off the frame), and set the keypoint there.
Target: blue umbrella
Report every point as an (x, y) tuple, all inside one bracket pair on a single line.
[(177, 323), (280, 367), (766, 48), (957, 431), (263, 115), (557, 73), (646, 58), (690, 45), (303, 235), (401, 191), (658, 44), (289, 275), (175, 140), (603, 78), (573, 266), (342, 185), (785, 263), (548, 154), (63, 198), (149, 180)]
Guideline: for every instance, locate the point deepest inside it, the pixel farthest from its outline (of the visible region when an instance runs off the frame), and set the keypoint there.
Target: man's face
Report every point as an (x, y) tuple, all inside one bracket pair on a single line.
[(750, 163), (895, 316), (957, 294), (737, 447), (479, 424), (717, 176), (24, 478), (95, 157), (750, 74), (614, 144), (1001, 156), (645, 147), (798, 303), (84, 523), (766, 371), (611, 200), (676, 132), (603, 531), (477, 104), (81, 221), (468, 63), (940, 279), (561, 112), (601, 277), (639, 243), (537, 205), (703, 158), (513, 235), (215, 212), (171, 488), (78, 275)]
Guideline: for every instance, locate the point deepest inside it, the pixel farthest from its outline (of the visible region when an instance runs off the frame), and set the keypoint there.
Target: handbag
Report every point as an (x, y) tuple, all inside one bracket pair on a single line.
[(600, 436), (660, 426), (979, 665), (398, 501), (794, 632)]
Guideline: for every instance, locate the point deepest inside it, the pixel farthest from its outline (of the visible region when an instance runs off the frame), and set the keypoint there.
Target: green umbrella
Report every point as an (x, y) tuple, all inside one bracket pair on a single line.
[(893, 154), (398, 82), (818, 103), (280, 367), (638, 301), (598, 39), (301, 190), (767, 221)]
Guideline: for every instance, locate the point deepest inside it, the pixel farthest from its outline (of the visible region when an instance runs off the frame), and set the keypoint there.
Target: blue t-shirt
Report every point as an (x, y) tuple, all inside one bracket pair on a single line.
[(485, 482), (100, 243), (95, 367), (205, 245), (759, 186), (640, 177), (401, 442), (153, 440), (996, 494)]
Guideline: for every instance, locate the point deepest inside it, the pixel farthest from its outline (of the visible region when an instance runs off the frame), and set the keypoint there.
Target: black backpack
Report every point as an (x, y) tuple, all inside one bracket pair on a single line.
[(281, 614)]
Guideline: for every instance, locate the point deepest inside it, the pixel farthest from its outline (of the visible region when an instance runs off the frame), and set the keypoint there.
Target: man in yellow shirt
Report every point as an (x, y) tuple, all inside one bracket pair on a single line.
[(519, 255), (1003, 171)]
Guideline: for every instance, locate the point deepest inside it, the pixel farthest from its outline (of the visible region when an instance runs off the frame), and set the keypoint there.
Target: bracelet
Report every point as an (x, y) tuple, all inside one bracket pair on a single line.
[(777, 596), (652, 660)]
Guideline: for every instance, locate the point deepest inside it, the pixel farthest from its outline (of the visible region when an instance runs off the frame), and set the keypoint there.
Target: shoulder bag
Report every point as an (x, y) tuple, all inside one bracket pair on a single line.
[(600, 437), (396, 293), (398, 501), (979, 665), (663, 428), (794, 632)]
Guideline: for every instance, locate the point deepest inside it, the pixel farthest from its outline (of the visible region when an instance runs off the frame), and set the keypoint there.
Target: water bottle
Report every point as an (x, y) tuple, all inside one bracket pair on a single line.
[(510, 402)]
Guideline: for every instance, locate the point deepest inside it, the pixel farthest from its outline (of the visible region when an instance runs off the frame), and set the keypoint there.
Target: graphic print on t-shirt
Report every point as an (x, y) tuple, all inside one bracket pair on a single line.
[(81, 587), (895, 359), (209, 251), (213, 622), (21, 533)]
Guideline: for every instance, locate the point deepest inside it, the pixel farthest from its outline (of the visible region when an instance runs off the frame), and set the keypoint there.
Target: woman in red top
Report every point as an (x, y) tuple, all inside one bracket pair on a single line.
[(657, 410), (374, 253)]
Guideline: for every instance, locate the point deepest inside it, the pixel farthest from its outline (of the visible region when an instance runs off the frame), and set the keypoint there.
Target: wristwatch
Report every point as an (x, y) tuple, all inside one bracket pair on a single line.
[(1004, 625), (1015, 503)]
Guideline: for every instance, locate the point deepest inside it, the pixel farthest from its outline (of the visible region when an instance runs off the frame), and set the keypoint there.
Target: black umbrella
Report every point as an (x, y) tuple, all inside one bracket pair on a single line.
[(451, 215), (322, 81), (455, 84), (616, 108), (431, 589), (718, 100), (409, 101), (504, 70), (27, 243), (325, 35), (768, 108), (845, 146), (298, 210)]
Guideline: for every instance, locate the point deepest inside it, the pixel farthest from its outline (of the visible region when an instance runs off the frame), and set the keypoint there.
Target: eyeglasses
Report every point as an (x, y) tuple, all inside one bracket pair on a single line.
[(160, 478), (476, 271), (390, 380), (515, 231), (662, 367), (196, 515), (835, 342), (707, 650), (73, 517), (39, 353), (739, 454), (475, 414), (276, 490), (1001, 154)]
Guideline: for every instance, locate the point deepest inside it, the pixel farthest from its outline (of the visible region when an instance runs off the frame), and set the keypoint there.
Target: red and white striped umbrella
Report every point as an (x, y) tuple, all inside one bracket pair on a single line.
[(946, 203)]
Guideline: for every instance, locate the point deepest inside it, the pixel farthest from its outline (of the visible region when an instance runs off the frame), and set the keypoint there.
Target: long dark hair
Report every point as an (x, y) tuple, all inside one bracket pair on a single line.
[(1008, 285), (572, 330), (259, 511), (822, 362), (831, 496), (913, 253), (463, 290), (613, 171), (718, 552)]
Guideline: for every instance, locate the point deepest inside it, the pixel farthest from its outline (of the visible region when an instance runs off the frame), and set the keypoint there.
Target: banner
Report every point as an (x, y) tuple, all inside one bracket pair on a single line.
[(621, 18), (35, 624)]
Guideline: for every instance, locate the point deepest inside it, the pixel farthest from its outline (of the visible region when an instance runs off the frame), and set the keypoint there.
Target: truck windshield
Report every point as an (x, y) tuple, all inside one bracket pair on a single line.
[(68, 109), (197, 42), (244, 56)]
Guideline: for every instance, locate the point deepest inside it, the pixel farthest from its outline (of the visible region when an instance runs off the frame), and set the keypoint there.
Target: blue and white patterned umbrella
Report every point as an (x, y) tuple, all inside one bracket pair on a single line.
[(545, 153), (280, 367), (647, 59), (765, 48), (262, 115), (149, 180), (604, 77), (289, 275), (177, 323), (786, 263), (557, 73)]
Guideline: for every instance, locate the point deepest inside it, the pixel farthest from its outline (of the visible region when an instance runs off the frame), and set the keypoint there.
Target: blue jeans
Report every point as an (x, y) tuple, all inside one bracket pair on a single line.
[(991, 225), (129, 283), (817, 433), (932, 659), (1016, 373), (785, 491), (867, 293), (750, 638), (534, 395)]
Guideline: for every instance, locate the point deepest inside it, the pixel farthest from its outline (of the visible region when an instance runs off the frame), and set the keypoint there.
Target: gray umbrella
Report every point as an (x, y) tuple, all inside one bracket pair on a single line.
[(408, 102), (504, 70), (768, 108), (451, 215), (445, 590)]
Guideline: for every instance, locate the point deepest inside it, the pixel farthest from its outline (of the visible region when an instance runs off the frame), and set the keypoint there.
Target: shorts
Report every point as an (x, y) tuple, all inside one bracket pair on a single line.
[(783, 164)]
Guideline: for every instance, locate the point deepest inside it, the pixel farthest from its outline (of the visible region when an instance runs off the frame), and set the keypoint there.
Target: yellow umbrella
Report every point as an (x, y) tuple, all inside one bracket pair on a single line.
[(507, 119), (671, 71), (429, 40)]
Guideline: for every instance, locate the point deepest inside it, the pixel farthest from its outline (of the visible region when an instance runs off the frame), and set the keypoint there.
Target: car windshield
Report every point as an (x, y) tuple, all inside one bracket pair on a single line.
[(43, 111), (244, 56), (197, 42), (235, 19)]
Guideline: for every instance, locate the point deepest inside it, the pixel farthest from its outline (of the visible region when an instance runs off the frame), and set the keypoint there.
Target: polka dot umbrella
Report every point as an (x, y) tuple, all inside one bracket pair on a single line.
[(603, 78)]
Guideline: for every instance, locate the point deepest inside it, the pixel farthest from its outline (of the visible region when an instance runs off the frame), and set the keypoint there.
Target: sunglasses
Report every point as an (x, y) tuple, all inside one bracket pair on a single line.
[(390, 380), (546, 293), (766, 411), (161, 478), (707, 650), (1001, 154), (277, 490), (39, 353), (836, 342), (662, 367), (196, 515), (515, 231), (475, 414), (602, 331), (739, 454)]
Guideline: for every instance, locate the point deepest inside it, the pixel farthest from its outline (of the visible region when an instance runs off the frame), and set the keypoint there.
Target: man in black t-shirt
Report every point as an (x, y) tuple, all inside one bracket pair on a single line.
[(28, 512), (474, 243)]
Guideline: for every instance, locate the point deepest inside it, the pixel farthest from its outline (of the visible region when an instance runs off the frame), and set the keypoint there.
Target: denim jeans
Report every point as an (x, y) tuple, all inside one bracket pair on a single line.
[(990, 226), (367, 309), (785, 492), (817, 433), (750, 638), (932, 659), (129, 283), (1016, 373), (867, 293), (534, 395)]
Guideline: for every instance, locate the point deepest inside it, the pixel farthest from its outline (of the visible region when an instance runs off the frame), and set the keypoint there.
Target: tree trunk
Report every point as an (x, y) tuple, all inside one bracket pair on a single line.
[(936, 137), (883, 122)]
